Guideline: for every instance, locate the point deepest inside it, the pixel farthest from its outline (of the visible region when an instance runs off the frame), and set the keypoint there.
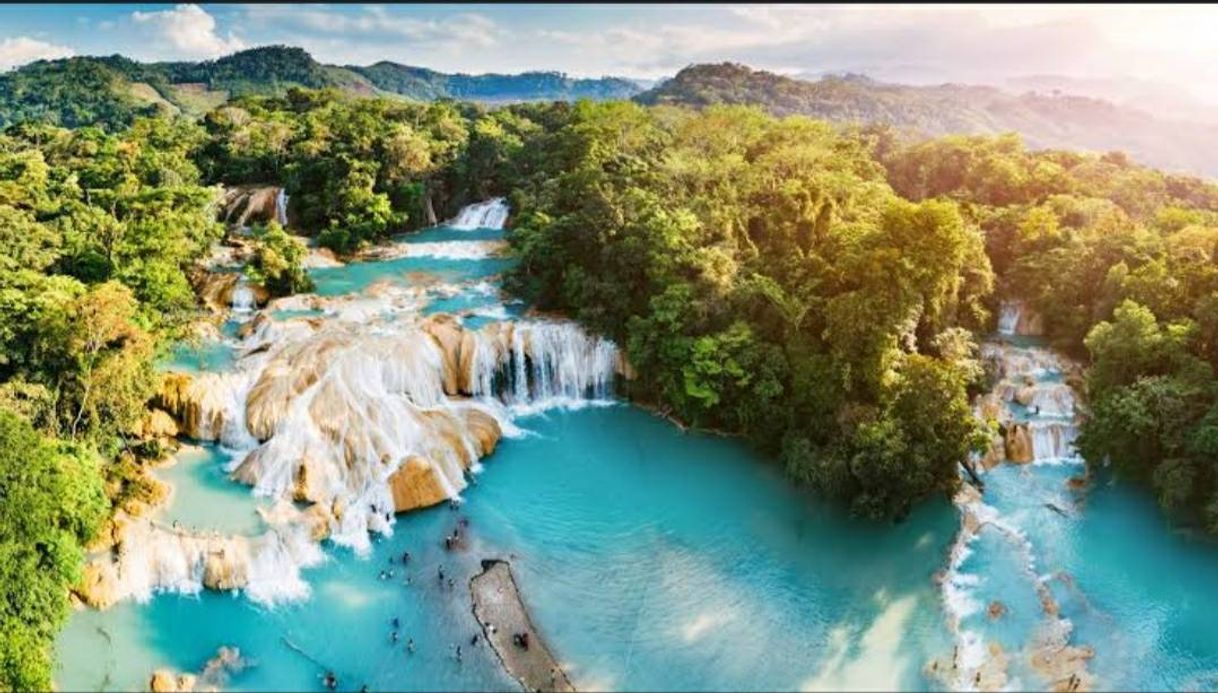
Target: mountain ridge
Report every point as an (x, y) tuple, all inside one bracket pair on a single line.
[(1045, 121)]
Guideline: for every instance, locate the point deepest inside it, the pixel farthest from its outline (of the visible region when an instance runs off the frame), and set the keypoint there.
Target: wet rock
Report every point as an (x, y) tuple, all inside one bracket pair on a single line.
[(448, 335), (226, 566), (215, 289), (214, 676), (1019, 447), (319, 258), (99, 585), (159, 424), (165, 681), (995, 454), (415, 485)]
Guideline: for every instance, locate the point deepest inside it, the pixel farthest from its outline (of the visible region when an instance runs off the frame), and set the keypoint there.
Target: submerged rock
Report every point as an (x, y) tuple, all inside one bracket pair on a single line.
[(213, 677), (165, 681)]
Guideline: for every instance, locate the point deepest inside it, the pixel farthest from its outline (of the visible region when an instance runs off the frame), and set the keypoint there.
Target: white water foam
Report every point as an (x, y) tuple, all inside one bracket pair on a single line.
[(491, 214)]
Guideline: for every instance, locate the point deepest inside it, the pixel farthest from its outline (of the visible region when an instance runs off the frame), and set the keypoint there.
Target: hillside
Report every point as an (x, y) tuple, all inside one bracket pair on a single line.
[(113, 90), (421, 83), (1044, 120)]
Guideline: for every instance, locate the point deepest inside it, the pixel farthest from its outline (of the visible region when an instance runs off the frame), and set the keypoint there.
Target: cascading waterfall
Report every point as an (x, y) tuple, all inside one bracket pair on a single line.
[(281, 207), (364, 414), (491, 214), (374, 409), (1043, 431), (243, 296), (1052, 440), (1008, 317), (542, 365)]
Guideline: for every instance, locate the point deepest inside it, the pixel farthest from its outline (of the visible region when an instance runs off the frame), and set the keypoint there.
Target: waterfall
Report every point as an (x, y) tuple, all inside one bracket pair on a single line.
[(1052, 440), (243, 296), (1052, 399), (1008, 317), (542, 365), (281, 207), (491, 214)]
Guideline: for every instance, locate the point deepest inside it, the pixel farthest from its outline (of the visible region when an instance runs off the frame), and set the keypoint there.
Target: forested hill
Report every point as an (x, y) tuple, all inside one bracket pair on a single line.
[(112, 91), (1045, 121), (421, 83)]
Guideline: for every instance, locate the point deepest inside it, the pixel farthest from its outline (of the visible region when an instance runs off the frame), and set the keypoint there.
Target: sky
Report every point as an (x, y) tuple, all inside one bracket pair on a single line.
[(919, 44)]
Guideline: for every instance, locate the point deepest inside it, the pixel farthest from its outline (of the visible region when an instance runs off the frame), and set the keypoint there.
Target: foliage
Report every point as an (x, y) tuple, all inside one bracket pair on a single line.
[(53, 503), (1045, 120), (766, 281), (278, 260)]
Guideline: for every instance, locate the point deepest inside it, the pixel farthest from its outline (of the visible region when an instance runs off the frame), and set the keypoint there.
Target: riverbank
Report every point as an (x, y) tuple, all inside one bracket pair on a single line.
[(501, 612)]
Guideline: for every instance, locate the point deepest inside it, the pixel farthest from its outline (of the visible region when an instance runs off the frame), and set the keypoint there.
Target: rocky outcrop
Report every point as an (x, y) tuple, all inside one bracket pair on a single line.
[(216, 289), (159, 424), (165, 681), (500, 610), (99, 585), (319, 258), (359, 416), (1031, 323), (249, 204), (1018, 444), (191, 404), (414, 485)]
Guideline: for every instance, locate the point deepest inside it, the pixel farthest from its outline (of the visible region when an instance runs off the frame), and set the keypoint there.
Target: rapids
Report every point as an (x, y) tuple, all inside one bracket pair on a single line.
[(649, 558)]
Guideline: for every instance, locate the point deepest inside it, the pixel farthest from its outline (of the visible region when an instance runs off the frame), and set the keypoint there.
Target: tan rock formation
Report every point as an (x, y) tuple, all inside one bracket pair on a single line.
[(249, 204), (215, 289), (99, 585), (215, 674), (1019, 447), (449, 336), (415, 485), (159, 424), (165, 681)]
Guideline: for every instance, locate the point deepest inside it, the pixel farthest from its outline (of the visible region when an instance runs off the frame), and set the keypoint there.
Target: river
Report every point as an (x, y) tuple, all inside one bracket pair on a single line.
[(654, 559)]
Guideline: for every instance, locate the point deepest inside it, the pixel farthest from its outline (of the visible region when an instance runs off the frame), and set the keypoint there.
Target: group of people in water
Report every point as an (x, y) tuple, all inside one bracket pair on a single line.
[(452, 541)]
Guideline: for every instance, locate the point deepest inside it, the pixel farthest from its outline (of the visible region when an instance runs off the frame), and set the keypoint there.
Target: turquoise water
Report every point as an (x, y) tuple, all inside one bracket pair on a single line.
[(637, 577), (653, 559), (204, 497)]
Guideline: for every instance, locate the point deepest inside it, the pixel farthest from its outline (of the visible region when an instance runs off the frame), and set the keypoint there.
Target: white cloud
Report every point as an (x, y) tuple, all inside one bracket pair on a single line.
[(377, 22), (186, 31), (23, 49)]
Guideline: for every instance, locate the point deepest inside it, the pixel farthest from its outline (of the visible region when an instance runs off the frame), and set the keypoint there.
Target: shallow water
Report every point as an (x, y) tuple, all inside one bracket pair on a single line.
[(653, 559)]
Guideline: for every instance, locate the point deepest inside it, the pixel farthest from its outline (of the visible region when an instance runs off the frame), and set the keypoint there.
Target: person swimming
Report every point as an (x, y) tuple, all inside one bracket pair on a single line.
[(331, 680), (410, 645), (396, 623)]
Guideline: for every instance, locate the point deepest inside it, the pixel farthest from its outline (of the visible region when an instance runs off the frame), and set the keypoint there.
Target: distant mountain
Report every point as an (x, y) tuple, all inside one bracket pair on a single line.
[(1044, 120), (113, 90), (1162, 100), (421, 83)]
